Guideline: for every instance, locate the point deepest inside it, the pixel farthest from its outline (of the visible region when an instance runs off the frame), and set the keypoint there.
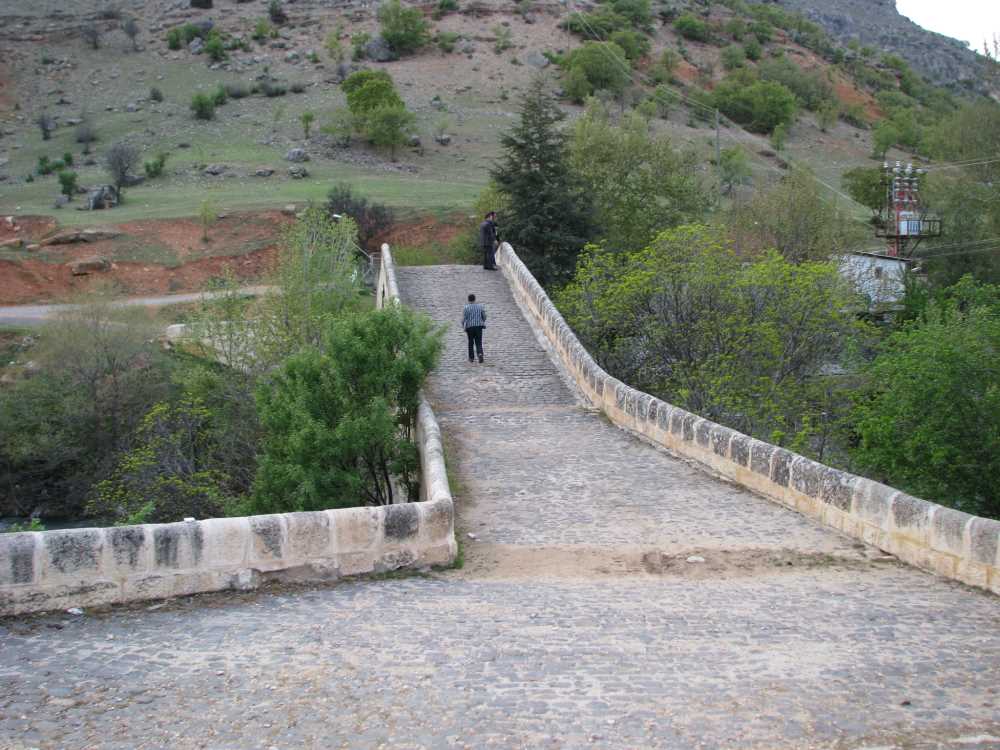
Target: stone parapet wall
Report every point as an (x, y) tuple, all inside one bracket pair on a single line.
[(930, 536), (88, 567)]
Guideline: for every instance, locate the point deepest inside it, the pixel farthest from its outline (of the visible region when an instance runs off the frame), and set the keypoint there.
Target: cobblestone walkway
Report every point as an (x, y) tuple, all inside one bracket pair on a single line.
[(576, 622)]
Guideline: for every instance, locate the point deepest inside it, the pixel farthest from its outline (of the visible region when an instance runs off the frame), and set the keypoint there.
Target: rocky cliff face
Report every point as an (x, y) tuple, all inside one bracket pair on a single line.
[(877, 23)]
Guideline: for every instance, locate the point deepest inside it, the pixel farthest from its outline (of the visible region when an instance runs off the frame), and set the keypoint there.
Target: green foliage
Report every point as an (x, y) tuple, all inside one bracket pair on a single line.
[(219, 95), (545, 215), (752, 49), (306, 118), (387, 126), (733, 57), (276, 12), (778, 136), (154, 168), (170, 473), (634, 44), (603, 63), (67, 159), (734, 168), (796, 219), (340, 126), (760, 106), (739, 340), (929, 419), (446, 41), (358, 43), (33, 524), (602, 23), (444, 7), (334, 48), (884, 136), (828, 114), (263, 30), (502, 39), (663, 71), (371, 218), (155, 94), (67, 183), (692, 28), (576, 85), (638, 13), (405, 29), (866, 186), (337, 422), (367, 90), (175, 38), (810, 87), (203, 106), (638, 183), (215, 48)]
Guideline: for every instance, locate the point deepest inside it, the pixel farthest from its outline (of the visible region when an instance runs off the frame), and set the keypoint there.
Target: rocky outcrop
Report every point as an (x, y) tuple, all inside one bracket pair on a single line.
[(877, 23)]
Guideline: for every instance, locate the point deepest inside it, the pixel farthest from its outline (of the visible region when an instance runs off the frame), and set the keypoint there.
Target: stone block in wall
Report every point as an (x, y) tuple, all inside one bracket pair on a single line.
[(395, 559), (226, 542), (356, 563), (984, 540), (309, 535), (401, 523), (268, 538), (837, 488), (739, 449), (872, 502), (436, 520), (948, 530), (441, 554), (781, 464), (703, 433), (18, 558), (687, 427), (806, 477), (357, 530), (663, 415), (41, 597), (721, 437), (760, 457), (911, 518), (128, 551), (71, 556), (177, 546)]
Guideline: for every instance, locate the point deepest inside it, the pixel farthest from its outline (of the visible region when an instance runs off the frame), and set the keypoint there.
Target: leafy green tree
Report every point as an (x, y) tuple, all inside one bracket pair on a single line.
[(203, 106), (929, 420), (634, 44), (810, 87), (604, 63), (67, 183), (867, 187), (337, 423), (794, 217), (169, 474), (638, 183), (547, 214), (761, 106), (306, 118), (734, 168), (576, 85), (743, 341), (733, 57), (405, 29), (884, 136), (692, 28), (387, 127)]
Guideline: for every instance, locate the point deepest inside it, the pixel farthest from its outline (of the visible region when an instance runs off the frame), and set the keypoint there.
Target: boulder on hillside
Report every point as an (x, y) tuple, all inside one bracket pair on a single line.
[(214, 170), (297, 172), (196, 45), (103, 196), (537, 60), (378, 50), (202, 4), (263, 172), (73, 236), (297, 155), (86, 266)]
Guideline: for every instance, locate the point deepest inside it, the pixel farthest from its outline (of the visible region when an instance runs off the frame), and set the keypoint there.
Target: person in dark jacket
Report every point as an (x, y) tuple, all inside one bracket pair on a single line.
[(489, 236), (474, 321)]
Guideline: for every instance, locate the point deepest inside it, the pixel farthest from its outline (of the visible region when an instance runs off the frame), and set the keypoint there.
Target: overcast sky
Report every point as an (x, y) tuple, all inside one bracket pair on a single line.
[(971, 21)]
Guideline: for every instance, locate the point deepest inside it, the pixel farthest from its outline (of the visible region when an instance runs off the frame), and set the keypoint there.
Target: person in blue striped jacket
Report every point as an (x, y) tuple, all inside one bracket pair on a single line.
[(474, 321)]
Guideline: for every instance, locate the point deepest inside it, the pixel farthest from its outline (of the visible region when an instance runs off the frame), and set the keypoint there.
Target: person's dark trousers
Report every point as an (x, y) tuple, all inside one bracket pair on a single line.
[(475, 336), (489, 258)]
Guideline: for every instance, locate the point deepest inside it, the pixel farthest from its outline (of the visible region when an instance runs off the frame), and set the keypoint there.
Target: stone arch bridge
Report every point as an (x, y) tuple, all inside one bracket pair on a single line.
[(613, 595)]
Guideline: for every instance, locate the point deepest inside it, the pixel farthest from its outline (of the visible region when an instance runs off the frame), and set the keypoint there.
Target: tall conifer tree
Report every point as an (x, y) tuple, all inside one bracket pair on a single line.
[(547, 217)]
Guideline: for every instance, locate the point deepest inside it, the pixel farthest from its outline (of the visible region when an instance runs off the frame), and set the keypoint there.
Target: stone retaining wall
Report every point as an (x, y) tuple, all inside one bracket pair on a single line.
[(930, 536), (87, 567)]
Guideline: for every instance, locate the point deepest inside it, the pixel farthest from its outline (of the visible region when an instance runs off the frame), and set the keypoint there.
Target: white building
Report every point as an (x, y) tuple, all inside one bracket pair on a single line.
[(879, 278)]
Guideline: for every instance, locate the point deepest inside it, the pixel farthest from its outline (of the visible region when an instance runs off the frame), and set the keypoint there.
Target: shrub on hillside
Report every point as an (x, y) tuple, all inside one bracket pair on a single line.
[(154, 168), (810, 87), (692, 28), (175, 39), (603, 63), (405, 29), (760, 106), (372, 218), (203, 106), (237, 90), (634, 44), (215, 48)]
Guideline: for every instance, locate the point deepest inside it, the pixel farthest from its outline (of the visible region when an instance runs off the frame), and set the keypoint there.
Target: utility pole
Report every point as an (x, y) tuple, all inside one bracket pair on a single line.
[(718, 152)]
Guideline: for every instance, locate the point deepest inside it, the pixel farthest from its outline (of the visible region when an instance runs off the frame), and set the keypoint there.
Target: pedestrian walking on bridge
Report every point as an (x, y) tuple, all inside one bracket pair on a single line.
[(474, 321), (489, 238)]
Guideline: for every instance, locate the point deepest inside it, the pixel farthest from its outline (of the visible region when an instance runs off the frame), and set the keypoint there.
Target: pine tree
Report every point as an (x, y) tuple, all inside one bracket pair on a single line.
[(547, 218)]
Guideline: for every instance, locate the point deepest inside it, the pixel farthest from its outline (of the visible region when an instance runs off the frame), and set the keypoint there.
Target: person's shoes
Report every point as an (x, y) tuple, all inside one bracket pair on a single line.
[(480, 360), (471, 359)]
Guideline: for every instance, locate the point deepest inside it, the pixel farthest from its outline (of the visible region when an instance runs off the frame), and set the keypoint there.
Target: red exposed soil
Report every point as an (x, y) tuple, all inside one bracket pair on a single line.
[(426, 230), (243, 243)]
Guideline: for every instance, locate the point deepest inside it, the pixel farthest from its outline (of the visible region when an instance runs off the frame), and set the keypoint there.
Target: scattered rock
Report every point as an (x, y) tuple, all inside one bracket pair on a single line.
[(444, 139), (414, 140), (291, 56), (297, 172), (696, 559), (214, 170), (263, 172), (74, 611), (196, 45), (15, 244), (133, 179), (537, 60), (378, 50), (85, 266), (60, 201), (438, 104), (289, 210), (72, 236), (297, 155)]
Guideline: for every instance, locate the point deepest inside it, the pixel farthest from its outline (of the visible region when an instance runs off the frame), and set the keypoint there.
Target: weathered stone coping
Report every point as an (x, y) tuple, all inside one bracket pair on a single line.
[(88, 567), (930, 536)]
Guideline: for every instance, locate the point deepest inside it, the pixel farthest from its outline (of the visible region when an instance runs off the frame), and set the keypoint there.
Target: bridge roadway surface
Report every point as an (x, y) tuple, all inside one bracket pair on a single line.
[(576, 621)]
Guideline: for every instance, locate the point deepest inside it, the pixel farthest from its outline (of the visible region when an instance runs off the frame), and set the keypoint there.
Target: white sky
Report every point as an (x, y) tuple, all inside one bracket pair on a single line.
[(972, 21)]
